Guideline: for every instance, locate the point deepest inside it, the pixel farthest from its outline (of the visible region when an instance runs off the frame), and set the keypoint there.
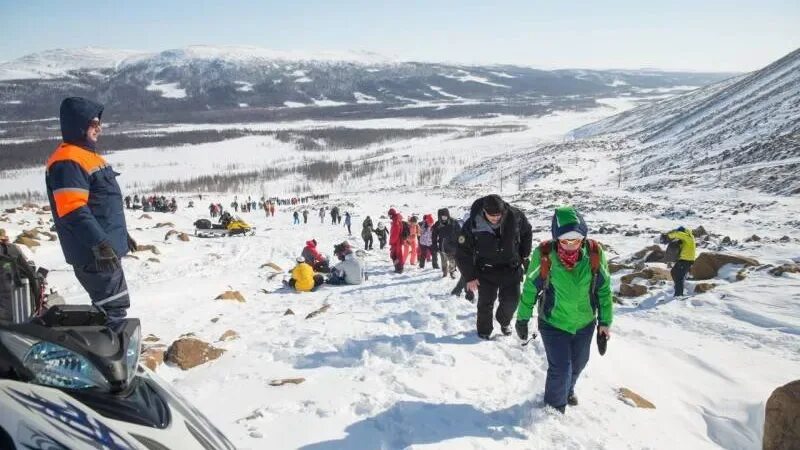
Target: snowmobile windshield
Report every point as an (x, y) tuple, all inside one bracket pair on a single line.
[(68, 350)]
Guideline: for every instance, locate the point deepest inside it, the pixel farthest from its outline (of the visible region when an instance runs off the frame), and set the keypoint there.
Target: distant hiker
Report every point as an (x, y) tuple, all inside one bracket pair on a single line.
[(305, 216), (334, 213), (366, 233), (686, 257), (411, 241), (493, 248), (350, 270), (235, 206), (322, 215), (396, 239), (272, 209), (303, 277), (314, 257), (347, 222), (445, 240), (127, 202), (296, 217), (381, 232), (426, 242), (572, 273), (86, 203), (136, 199)]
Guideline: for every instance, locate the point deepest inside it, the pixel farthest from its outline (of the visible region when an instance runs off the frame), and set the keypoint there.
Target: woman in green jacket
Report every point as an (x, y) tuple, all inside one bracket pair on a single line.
[(569, 278)]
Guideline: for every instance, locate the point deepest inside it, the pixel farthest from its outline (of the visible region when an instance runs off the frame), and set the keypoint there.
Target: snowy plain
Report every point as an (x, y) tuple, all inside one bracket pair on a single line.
[(394, 363)]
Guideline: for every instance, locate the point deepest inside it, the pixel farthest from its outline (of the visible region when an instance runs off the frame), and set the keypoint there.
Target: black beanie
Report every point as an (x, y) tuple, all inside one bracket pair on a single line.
[(493, 204)]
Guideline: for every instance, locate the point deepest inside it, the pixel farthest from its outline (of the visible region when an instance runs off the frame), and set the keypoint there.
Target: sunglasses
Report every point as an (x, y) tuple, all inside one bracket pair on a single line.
[(570, 241)]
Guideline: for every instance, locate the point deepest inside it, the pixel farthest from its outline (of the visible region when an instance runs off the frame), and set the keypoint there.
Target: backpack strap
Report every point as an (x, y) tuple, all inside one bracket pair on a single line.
[(594, 254), (544, 264)]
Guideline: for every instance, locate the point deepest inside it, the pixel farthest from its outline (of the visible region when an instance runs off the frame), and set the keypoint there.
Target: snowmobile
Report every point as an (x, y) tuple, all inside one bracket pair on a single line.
[(68, 381), (229, 226)]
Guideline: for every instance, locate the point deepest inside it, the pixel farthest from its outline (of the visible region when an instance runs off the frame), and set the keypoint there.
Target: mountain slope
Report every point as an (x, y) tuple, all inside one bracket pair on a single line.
[(736, 126)]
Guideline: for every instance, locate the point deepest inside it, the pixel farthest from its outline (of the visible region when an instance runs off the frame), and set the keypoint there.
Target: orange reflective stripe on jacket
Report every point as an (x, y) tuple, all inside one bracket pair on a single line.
[(89, 161), (68, 199)]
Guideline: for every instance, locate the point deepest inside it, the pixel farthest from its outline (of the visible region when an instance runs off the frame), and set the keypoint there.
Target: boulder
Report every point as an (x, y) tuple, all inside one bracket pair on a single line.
[(154, 260), (634, 399), (10, 210), (784, 268), (31, 234), (46, 208), (648, 273), (190, 352), (283, 381), (289, 312), (28, 242), (145, 216), (701, 288), (645, 253), (165, 224), (272, 265), (318, 311), (229, 336), (699, 232), (616, 267), (782, 418), (753, 238), (153, 356), (708, 264), (151, 338), (50, 236), (231, 295), (785, 239), (148, 247), (655, 255), (183, 237), (632, 290)]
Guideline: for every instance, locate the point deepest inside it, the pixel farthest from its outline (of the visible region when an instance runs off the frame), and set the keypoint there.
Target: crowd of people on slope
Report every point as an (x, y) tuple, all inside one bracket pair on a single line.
[(566, 278), (157, 203)]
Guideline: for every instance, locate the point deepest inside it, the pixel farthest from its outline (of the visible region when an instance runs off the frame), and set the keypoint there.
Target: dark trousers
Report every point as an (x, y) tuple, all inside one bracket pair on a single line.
[(382, 242), (108, 290), (434, 257), (502, 285), (423, 254), (679, 271), (567, 355), (368, 242), (460, 286)]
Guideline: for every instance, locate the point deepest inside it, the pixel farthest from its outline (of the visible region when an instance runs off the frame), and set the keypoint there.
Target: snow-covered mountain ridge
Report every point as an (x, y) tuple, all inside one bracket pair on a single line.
[(181, 84)]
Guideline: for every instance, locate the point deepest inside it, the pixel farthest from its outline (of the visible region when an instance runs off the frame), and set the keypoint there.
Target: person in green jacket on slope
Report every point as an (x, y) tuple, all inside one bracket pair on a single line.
[(685, 258), (569, 279)]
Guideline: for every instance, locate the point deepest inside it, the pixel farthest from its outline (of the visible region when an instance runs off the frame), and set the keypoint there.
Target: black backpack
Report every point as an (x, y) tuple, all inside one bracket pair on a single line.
[(406, 231)]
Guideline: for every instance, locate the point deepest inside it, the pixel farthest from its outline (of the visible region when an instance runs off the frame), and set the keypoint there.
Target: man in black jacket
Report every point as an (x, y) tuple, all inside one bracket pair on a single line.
[(493, 251), (445, 242)]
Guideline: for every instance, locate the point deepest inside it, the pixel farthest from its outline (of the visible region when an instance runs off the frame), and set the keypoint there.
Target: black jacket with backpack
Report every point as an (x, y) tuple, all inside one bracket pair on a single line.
[(482, 247)]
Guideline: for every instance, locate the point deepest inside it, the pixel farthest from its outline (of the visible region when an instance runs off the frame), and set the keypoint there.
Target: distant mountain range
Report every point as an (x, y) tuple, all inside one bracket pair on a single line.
[(205, 83)]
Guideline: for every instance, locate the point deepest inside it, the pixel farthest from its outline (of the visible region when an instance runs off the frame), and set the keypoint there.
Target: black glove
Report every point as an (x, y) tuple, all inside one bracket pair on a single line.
[(664, 238), (525, 263), (105, 257), (522, 329), (132, 245)]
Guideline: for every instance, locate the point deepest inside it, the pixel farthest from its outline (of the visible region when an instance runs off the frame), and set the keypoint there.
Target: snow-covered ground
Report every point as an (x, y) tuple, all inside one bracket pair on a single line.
[(395, 364)]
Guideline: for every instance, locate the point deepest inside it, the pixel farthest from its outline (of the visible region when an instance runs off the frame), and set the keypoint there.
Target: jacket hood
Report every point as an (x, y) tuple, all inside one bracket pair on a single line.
[(478, 205), (311, 243), (442, 212), (75, 114)]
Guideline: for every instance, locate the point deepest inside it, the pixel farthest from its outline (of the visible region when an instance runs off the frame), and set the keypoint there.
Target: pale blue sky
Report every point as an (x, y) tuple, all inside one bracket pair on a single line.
[(675, 34)]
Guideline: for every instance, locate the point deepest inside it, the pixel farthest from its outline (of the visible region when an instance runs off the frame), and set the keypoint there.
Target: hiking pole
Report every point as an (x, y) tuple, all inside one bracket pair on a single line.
[(528, 341)]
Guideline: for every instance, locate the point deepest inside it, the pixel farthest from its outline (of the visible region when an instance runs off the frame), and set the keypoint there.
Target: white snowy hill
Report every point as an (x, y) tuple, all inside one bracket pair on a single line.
[(57, 63), (747, 127)]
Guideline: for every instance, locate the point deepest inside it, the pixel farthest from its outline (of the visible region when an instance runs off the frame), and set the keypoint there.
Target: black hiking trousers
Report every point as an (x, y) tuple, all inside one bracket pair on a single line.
[(678, 272), (497, 284)]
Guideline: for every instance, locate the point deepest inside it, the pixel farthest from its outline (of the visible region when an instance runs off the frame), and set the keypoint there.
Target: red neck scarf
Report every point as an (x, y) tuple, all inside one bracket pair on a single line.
[(569, 259)]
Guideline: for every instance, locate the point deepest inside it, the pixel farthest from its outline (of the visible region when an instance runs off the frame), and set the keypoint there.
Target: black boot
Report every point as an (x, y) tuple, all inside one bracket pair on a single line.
[(506, 330), (572, 400), (485, 336)]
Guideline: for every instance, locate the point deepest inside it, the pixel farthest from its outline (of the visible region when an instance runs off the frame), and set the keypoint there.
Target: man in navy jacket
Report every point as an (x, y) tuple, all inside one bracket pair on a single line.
[(87, 208)]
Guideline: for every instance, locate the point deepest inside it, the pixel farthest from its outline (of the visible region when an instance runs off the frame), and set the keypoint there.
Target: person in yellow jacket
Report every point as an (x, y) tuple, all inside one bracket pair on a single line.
[(303, 277), (686, 256)]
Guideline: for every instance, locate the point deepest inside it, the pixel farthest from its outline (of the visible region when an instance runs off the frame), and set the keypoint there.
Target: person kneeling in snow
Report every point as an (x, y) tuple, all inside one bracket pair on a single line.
[(314, 258), (303, 277), (571, 273), (350, 270)]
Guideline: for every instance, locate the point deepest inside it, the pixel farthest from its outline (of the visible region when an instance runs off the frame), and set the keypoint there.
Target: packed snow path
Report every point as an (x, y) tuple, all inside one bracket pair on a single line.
[(395, 363)]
